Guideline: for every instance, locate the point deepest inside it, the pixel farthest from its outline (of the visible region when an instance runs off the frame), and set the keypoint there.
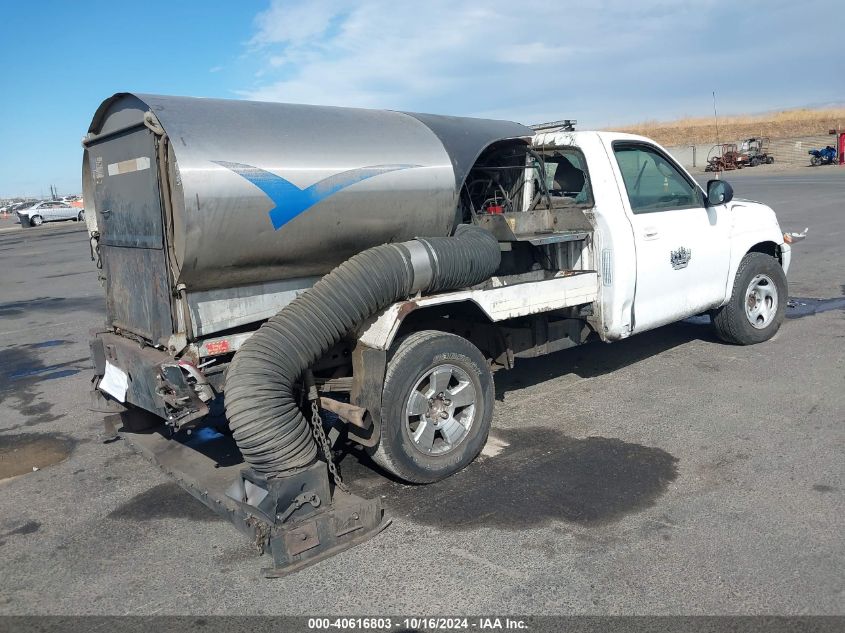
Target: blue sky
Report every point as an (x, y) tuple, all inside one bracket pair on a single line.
[(604, 62)]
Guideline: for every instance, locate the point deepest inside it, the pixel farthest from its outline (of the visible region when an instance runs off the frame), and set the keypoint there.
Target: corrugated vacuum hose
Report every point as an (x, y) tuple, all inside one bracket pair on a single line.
[(264, 415)]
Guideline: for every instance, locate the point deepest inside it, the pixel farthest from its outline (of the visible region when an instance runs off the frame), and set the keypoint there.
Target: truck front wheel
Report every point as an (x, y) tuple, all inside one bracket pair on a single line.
[(758, 302), (437, 407)]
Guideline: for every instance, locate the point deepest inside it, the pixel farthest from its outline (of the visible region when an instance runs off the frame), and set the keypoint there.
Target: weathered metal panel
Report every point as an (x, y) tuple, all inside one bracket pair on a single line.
[(464, 139), (497, 300), (126, 192), (142, 366), (138, 297), (124, 178), (225, 308)]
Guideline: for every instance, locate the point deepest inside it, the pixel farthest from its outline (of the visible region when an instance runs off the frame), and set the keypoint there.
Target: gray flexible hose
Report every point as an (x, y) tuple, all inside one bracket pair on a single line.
[(268, 426)]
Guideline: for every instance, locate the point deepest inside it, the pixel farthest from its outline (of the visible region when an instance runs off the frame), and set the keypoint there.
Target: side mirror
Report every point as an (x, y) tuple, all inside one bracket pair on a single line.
[(719, 192)]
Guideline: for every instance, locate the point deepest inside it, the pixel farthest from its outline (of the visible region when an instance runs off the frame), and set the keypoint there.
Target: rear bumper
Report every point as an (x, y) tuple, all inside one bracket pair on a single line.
[(141, 364), (155, 382)]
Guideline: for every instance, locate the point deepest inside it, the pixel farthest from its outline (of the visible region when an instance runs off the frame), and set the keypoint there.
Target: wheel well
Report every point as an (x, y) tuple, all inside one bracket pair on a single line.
[(767, 248), (464, 318)]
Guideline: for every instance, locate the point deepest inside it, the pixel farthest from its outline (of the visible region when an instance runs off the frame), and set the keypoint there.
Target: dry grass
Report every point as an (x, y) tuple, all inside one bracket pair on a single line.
[(785, 124)]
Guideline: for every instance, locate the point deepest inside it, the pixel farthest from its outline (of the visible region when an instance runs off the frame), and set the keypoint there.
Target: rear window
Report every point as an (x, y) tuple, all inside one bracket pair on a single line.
[(567, 177)]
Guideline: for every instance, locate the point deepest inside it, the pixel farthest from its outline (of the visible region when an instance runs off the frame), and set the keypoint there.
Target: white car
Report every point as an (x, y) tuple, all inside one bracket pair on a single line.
[(49, 211)]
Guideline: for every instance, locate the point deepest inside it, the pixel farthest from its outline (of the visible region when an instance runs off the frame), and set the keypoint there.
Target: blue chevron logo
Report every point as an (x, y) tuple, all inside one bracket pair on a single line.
[(289, 200)]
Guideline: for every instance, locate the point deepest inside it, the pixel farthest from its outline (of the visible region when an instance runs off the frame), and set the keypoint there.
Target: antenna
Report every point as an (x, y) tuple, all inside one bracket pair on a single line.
[(716, 122), (715, 118)]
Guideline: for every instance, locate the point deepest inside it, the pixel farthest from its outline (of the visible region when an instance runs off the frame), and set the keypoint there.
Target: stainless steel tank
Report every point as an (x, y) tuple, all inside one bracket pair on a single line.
[(234, 201)]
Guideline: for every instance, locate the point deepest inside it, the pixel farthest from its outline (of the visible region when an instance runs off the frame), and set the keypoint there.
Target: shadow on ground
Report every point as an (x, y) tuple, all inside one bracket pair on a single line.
[(165, 501), (32, 307), (541, 476), (597, 359)]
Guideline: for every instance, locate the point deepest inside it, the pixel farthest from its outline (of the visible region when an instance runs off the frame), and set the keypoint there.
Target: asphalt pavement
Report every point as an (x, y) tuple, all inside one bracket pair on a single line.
[(665, 474)]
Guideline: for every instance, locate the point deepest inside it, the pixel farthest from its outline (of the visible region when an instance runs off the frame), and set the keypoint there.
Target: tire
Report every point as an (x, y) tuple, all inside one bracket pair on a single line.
[(36, 220), (815, 161), (770, 160), (81, 216), (754, 162), (413, 363), (757, 305)]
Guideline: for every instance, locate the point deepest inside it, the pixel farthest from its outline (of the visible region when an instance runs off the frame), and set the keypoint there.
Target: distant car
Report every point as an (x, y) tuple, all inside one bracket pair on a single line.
[(17, 206), (49, 211), (14, 208)]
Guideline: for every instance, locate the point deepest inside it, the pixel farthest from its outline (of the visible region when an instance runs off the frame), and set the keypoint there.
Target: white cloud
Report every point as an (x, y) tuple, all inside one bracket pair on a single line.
[(294, 22), (604, 60)]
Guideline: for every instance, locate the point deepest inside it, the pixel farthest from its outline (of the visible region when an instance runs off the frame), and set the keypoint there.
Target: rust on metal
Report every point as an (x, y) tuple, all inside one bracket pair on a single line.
[(302, 538), (347, 412)]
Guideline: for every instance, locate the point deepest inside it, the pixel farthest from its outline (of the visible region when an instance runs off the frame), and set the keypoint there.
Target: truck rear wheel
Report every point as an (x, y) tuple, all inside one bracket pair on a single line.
[(437, 407), (757, 305)]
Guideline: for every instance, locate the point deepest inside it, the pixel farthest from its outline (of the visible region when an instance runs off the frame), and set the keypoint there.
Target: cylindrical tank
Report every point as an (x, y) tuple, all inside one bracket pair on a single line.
[(255, 192)]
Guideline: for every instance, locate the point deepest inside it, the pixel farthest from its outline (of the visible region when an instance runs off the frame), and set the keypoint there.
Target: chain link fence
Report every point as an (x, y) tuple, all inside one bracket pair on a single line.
[(787, 151)]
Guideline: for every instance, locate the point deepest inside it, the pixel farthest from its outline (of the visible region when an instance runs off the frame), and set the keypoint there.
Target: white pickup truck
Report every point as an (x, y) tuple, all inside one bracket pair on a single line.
[(210, 217), (272, 260), (643, 246)]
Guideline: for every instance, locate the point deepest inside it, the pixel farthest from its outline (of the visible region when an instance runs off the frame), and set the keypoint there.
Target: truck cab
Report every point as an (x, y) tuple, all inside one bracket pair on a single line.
[(662, 248), (667, 250)]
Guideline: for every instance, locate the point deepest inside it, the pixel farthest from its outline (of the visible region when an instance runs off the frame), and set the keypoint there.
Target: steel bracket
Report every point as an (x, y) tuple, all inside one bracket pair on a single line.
[(308, 521)]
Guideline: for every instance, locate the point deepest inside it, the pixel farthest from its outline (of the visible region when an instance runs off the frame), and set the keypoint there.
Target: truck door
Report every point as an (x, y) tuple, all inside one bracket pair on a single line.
[(682, 246)]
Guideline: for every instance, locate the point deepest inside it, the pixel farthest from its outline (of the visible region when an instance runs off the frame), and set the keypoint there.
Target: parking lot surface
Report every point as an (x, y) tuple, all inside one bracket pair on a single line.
[(665, 474)]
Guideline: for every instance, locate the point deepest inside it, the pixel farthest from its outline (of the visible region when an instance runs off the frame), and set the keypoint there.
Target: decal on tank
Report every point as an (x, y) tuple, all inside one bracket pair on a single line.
[(289, 200)]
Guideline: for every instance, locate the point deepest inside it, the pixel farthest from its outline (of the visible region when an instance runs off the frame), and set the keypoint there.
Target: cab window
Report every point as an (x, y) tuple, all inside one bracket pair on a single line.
[(652, 181)]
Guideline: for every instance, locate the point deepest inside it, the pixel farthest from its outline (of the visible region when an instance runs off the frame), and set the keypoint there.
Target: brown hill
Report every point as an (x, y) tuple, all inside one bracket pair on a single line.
[(784, 124)]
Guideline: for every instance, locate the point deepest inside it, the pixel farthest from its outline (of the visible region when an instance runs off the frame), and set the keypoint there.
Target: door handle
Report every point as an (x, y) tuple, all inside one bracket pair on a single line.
[(650, 233)]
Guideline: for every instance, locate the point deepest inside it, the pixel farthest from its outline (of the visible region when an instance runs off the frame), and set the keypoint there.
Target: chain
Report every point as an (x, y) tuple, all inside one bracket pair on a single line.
[(94, 244), (323, 443)]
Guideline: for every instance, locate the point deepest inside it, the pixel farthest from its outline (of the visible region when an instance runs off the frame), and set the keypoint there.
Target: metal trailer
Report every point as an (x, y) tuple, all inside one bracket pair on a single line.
[(208, 217)]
